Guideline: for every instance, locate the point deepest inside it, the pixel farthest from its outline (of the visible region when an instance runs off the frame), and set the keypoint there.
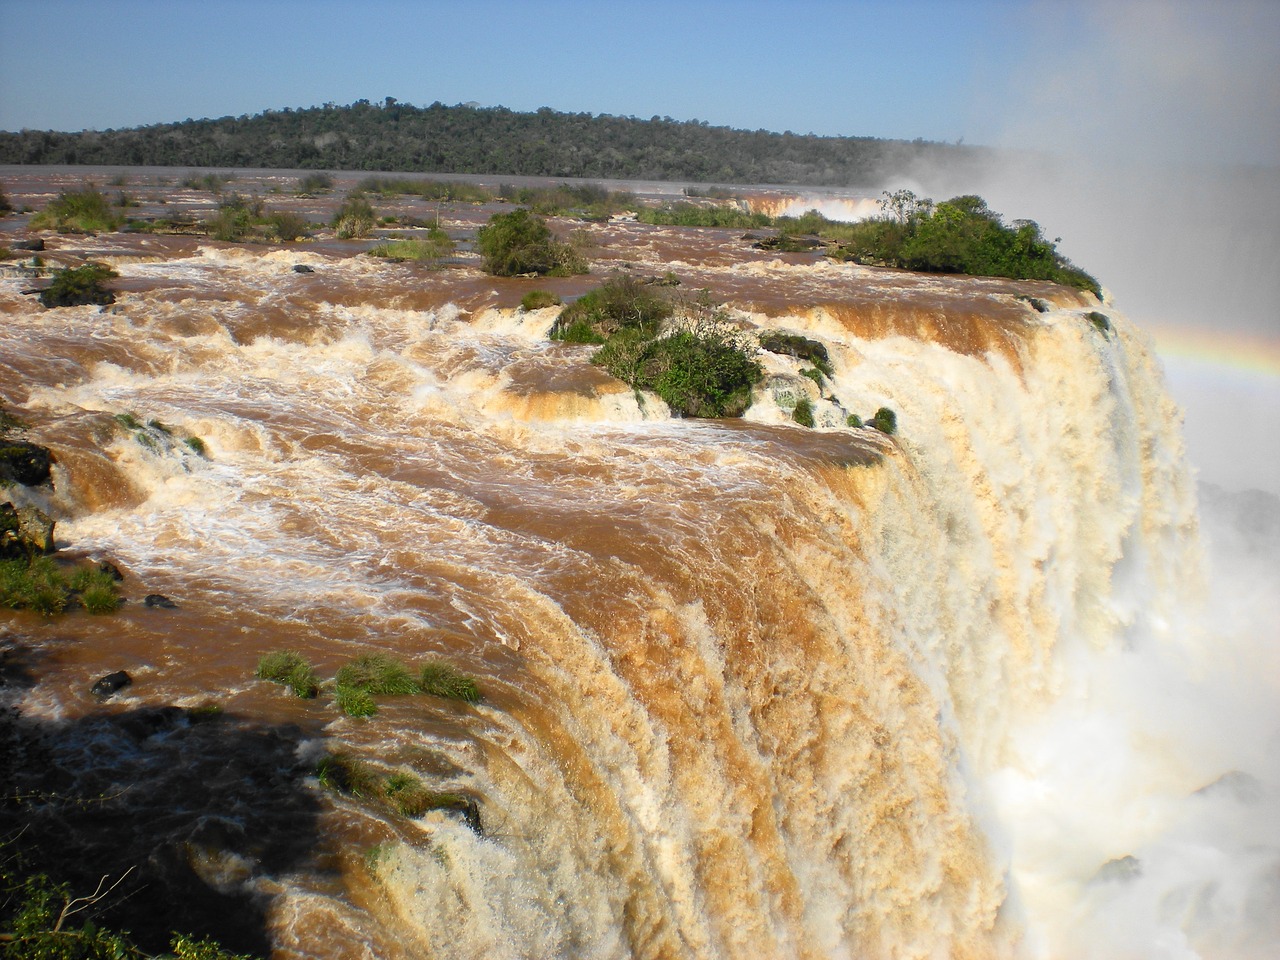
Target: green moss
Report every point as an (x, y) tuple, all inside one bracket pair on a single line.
[(441, 680), (197, 446), (803, 412), (1100, 322), (802, 348)]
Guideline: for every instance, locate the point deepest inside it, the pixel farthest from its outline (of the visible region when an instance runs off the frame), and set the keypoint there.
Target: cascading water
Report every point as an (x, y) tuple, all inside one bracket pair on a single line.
[(750, 690)]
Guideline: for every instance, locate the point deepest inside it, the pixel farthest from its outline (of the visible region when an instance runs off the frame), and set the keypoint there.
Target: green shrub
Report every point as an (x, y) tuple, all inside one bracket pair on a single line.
[(853, 420), (290, 668), (441, 680), (75, 286), (803, 413), (434, 246), (286, 225), (703, 371), (234, 220), (812, 374), (313, 183), (5, 206), (539, 299), (354, 219), (620, 303), (698, 215), (520, 242), (78, 211), (38, 919), (213, 182), (885, 420), (960, 235)]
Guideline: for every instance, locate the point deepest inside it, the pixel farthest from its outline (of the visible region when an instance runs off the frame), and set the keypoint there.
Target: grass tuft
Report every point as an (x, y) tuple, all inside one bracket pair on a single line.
[(441, 680), (377, 675), (290, 668)]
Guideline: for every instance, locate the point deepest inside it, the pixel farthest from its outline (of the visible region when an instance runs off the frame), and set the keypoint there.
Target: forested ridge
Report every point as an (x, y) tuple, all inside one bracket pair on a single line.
[(395, 136)]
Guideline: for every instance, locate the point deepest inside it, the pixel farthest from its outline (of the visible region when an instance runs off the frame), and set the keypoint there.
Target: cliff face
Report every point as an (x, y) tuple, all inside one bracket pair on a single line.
[(750, 689)]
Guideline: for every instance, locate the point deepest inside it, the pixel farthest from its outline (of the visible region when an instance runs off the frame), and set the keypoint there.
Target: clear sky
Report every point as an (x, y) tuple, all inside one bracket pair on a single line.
[(1151, 107)]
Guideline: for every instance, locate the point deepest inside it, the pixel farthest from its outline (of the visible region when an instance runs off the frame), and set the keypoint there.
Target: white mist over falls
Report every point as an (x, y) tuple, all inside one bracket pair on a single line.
[(750, 690)]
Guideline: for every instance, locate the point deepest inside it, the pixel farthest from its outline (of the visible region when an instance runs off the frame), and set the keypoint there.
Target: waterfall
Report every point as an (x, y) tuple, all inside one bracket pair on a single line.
[(751, 690)]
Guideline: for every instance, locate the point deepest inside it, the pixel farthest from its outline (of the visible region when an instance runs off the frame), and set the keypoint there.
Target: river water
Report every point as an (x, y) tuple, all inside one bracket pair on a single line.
[(749, 689)]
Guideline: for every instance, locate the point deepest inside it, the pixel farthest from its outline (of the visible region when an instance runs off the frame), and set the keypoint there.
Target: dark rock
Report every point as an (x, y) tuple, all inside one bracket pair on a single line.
[(106, 566), (471, 817), (149, 721), (112, 682), (160, 600), (37, 245), (302, 268), (25, 463)]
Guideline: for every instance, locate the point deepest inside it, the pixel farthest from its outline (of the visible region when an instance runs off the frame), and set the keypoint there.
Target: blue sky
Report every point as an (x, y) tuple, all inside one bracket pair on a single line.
[(1150, 107), (903, 69), (1189, 77)]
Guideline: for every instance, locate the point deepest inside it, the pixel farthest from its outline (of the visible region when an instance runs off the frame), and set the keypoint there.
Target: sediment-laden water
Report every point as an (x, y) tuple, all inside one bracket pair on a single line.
[(749, 689)]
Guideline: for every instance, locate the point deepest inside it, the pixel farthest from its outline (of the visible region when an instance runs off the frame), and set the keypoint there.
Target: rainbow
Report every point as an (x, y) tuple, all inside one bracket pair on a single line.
[(1251, 352)]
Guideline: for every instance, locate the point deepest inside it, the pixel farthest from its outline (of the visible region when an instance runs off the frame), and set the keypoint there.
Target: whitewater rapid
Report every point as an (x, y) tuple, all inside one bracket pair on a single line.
[(751, 690)]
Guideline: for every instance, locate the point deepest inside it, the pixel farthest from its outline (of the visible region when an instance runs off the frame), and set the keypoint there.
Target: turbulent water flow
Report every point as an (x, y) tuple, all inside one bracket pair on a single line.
[(750, 690)]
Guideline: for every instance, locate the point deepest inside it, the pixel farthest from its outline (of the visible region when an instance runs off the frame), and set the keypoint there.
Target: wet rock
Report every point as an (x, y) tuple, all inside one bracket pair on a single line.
[(25, 463), (24, 531), (160, 600), (106, 566), (36, 528), (37, 245), (302, 268), (108, 685), (146, 723), (1119, 870), (471, 817), (1240, 786)]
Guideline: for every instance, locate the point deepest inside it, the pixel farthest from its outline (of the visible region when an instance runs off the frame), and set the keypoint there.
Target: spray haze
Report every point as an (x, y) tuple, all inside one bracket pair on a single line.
[(1145, 135)]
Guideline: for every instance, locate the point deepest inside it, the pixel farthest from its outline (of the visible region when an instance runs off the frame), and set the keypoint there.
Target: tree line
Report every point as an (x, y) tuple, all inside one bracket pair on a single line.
[(394, 136)]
